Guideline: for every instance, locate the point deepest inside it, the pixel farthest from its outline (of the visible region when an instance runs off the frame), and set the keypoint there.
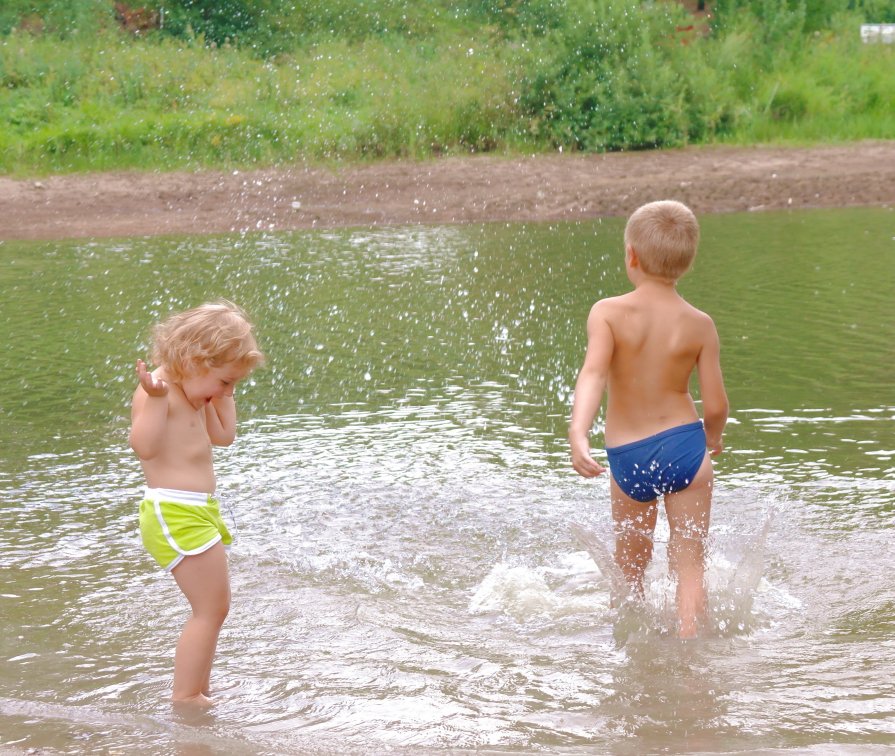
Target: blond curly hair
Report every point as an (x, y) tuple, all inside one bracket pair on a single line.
[(208, 336)]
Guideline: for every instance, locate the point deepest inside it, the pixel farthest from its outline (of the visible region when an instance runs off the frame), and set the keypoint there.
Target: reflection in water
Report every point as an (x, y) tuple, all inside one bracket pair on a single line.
[(405, 573), (686, 693)]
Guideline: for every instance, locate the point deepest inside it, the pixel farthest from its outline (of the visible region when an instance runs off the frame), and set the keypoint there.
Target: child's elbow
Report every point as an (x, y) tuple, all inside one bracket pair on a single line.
[(224, 438), (717, 411), (142, 448)]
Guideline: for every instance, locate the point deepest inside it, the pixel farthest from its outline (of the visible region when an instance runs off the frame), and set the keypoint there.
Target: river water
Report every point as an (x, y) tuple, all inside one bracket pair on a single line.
[(405, 576)]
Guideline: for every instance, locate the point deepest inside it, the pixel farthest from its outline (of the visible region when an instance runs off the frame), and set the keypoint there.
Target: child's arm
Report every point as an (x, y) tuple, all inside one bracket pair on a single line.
[(589, 391), (220, 420), (149, 414), (711, 387)]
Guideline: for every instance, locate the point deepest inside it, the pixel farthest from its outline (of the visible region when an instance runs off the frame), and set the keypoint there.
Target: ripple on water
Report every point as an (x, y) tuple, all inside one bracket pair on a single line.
[(405, 575)]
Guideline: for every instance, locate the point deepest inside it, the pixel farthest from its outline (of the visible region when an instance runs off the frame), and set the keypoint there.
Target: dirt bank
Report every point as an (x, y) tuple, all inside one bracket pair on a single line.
[(447, 190)]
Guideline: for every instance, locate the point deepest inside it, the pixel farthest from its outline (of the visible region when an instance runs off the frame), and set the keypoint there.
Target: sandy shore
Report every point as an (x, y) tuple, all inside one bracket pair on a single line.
[(446, 190)]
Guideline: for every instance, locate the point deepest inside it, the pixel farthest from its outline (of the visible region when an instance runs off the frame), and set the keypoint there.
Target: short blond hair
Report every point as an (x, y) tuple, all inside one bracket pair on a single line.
[(208, 336), (665, 235)]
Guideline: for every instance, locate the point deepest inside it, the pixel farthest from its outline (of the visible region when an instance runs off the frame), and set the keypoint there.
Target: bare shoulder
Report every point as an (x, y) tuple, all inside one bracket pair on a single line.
[(702, 321), (610, 306)]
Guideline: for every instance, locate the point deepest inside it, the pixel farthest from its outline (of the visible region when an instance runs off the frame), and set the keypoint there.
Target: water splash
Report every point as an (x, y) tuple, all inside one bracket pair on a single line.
[(604, 561), (527, 593), (731, 587), (735, 583)]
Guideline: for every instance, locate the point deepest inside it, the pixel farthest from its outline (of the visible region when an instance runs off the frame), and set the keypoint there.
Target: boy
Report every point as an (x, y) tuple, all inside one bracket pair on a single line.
[(642, 348), (179, 411)]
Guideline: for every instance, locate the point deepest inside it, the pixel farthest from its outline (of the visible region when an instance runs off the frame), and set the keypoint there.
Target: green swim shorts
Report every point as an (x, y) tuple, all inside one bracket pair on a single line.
[(176, 524)]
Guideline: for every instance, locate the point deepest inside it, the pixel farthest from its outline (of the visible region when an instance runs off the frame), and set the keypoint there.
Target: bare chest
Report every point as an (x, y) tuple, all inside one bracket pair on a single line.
[(187, 434)]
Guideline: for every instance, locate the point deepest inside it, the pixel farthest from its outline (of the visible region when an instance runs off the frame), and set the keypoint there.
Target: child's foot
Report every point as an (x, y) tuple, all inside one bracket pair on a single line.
[(199, 701)]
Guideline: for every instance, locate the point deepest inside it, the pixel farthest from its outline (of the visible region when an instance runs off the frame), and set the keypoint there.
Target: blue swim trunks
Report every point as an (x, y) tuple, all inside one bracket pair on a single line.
[(660, 464)]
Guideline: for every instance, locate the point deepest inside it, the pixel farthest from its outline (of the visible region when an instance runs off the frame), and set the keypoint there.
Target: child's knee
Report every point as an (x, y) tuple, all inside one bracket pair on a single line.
[(688, 541), (213, 612), (692, 525), (691, 533), (223, 610)]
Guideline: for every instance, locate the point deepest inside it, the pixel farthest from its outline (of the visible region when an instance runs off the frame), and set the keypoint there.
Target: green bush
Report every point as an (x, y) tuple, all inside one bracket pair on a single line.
[(218, 21), (519, 17), (61, 18), (615, 76), (775, 27), (783, 21), (875, 11)]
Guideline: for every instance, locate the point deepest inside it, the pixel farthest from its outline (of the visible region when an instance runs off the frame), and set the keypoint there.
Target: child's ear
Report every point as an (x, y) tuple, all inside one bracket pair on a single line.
[(633, 260)]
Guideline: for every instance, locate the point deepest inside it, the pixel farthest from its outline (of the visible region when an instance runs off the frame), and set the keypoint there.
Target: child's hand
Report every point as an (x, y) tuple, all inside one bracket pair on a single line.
[(584, 464), (151, 385), (716, 448)]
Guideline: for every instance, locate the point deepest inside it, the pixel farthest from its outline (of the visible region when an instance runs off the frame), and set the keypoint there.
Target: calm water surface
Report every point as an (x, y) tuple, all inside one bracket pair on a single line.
[(404, 575)]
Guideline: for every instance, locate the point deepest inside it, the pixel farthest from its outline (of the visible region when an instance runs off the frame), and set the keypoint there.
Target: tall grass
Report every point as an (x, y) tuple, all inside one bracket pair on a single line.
[(165, 104), (363, 79), (831, 87)]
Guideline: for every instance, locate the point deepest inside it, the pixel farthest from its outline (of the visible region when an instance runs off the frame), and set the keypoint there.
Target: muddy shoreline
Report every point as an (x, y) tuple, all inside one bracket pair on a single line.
[(445, 191)]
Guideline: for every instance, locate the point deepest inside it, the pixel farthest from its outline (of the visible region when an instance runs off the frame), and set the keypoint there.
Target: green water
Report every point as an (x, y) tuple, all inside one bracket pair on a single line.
[(405, 575)]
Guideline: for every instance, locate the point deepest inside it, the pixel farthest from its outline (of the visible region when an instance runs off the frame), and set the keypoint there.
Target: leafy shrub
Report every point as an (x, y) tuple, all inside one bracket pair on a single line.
[(776, 22), (61, 18), (875, 11), (612, 76), (218, 21), (523, 17)]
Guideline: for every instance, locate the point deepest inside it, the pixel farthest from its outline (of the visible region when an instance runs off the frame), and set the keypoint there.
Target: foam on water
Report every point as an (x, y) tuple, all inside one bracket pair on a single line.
[(525, 593)]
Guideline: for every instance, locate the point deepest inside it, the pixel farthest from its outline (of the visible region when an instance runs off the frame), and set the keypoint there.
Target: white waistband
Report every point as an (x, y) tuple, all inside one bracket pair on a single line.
[(178, 497)]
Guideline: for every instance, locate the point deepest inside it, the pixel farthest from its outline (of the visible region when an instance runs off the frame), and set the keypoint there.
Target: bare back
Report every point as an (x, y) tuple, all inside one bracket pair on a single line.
[(657, 340)]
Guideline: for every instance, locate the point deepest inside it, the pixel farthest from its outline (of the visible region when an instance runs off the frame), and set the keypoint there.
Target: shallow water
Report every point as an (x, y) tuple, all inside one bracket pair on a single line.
[(405, 575)]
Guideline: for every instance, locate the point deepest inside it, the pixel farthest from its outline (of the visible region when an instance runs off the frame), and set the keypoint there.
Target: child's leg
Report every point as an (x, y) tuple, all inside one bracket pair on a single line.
[(205, 582), (688, 513), (635, 522)]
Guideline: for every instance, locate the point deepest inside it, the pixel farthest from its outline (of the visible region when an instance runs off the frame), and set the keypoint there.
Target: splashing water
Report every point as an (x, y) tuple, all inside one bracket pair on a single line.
[(406, 575)]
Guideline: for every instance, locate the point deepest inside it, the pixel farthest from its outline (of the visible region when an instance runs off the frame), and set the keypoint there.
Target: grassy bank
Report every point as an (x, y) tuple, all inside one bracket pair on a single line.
[(503, 76)]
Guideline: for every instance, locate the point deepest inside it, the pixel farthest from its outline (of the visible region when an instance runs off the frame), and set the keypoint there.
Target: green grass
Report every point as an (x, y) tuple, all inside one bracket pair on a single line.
[(502, 76), (829, 88), (163, 104)]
